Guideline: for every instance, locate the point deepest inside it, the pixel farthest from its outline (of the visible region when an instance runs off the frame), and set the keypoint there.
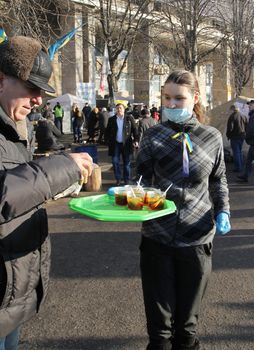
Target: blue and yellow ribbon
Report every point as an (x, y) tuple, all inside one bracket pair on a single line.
[(187, 148), (3, 36)]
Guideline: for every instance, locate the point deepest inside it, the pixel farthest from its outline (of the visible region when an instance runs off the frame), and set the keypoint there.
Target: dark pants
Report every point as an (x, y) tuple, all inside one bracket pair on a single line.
[(120, 151), (77, 132), (249, 160), (236, 145), (59, 124), (174, 281)]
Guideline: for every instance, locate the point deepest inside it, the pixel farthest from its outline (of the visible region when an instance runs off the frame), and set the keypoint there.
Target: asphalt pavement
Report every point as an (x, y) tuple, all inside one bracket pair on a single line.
[(95, 297)]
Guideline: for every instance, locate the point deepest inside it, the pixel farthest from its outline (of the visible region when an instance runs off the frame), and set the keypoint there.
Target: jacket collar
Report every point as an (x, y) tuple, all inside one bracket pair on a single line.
[(8, 126), (187, 126)]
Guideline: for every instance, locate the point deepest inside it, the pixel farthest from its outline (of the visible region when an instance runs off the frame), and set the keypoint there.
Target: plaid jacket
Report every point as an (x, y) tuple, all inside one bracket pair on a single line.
[(200, 196)]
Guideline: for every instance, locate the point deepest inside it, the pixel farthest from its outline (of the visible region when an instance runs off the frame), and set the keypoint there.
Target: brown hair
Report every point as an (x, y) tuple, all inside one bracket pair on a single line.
[(184, 77)]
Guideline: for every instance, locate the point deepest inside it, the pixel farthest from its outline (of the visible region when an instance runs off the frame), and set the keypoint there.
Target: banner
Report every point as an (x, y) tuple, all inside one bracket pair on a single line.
[(105, 71)]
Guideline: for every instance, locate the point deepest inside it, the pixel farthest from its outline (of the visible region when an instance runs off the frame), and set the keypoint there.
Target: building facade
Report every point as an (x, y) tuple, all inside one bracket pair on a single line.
[(77, 67)]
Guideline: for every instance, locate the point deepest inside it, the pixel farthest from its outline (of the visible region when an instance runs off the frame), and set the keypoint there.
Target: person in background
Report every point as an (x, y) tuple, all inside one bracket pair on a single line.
[(176, 249), (25, 185), (145, 123), (111, 111), (236, 127), (135, 113), (93, 125), (128, 109), (77, 122), (121, 135), (47, 112), (46, 135), (249, 138), (86, 111), (59, 114), (153, 110), (103, 122), (34, 115)]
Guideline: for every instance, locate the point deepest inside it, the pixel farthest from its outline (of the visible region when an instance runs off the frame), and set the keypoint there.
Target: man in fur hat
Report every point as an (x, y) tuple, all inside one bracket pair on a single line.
[(25, 70)]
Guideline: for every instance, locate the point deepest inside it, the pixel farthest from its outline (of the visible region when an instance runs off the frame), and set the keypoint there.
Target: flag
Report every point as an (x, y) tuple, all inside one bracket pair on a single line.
[(61, 42), (3, 36), (105, 70)]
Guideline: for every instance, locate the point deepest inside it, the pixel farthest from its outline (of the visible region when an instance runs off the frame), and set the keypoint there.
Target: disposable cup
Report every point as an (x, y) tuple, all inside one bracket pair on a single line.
[(155, 199), (120, 196), (135, 198)]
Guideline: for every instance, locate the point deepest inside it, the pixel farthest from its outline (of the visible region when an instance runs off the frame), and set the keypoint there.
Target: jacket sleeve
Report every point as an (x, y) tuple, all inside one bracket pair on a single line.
[(230, 127), (144, 161), (218, 187), (250, 132), (134, 129), (30, 184)]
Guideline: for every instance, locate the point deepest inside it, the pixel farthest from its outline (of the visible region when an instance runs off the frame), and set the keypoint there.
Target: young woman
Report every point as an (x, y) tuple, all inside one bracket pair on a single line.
[(77, 122), (176, 249)]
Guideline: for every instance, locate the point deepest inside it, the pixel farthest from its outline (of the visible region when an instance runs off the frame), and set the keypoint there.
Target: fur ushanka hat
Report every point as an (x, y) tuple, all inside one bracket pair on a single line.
[(25, 58)]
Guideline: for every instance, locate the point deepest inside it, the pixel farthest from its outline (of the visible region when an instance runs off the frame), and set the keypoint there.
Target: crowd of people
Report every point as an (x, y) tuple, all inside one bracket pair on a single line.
[(88, 121), (240, 129), (94, 125)]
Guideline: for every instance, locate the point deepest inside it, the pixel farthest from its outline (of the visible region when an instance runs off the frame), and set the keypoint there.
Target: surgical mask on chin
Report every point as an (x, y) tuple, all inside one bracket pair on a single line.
[(176, 115)]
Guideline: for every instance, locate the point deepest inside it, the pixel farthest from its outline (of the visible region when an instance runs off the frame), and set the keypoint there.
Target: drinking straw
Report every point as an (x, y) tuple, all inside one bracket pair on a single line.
[(133, 192), (139, 181), (164, 193)]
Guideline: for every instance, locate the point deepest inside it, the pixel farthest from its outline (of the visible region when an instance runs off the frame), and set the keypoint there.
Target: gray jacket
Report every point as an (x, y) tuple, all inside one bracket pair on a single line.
[(200, 196), (24, 240)]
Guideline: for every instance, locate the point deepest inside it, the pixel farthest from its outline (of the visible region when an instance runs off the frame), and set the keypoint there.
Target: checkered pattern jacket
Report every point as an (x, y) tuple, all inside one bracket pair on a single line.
[(200, 196)]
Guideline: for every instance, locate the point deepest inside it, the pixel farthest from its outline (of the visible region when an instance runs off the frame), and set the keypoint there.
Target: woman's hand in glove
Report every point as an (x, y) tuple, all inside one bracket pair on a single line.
[(222, 223)]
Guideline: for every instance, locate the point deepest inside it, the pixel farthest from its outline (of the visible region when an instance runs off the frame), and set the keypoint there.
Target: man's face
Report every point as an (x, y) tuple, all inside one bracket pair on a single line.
[(17, 97), (120, 110), (251, 106)]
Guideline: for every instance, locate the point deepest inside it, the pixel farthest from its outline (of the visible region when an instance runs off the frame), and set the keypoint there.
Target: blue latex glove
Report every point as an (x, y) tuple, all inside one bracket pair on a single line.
[(222, 223)]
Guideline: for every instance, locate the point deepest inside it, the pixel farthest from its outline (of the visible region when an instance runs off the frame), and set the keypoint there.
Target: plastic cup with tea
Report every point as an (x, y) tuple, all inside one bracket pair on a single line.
[(155, 199), (120, 196), (135, 198), (146, 190)]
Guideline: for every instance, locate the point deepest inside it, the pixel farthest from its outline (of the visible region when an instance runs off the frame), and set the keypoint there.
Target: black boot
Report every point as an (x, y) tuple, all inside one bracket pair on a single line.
[(166, 345), (194, 345)]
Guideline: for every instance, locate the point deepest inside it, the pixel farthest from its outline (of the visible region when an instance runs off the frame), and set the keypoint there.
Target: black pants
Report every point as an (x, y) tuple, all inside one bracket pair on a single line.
[(174, 281)]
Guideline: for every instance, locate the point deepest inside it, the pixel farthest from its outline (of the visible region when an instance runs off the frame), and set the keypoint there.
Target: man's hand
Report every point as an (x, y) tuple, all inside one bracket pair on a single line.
[(85, 164)]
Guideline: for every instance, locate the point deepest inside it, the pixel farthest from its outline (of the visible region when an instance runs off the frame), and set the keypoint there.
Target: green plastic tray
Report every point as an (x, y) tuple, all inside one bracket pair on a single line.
[(102, 207)]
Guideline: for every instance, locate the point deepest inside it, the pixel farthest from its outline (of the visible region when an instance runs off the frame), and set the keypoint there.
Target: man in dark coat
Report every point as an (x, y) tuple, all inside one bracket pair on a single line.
[(46, 136), (121, 136), (236, 127), (249, 138), (145, 123), (25, 69)]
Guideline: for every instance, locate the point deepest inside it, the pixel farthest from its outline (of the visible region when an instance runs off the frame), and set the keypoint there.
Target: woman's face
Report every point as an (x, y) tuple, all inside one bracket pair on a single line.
[(179, 96)]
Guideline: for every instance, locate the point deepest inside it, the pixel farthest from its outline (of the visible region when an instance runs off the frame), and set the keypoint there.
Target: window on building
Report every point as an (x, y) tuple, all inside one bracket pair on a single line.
[(156, 83), (209, 74), (209, 83), (126, 84)]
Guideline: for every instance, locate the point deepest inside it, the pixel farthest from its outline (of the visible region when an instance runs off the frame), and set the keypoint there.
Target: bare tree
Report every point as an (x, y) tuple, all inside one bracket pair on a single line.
[(120, 23), (40, 19), (238, 16), (191, 25)]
